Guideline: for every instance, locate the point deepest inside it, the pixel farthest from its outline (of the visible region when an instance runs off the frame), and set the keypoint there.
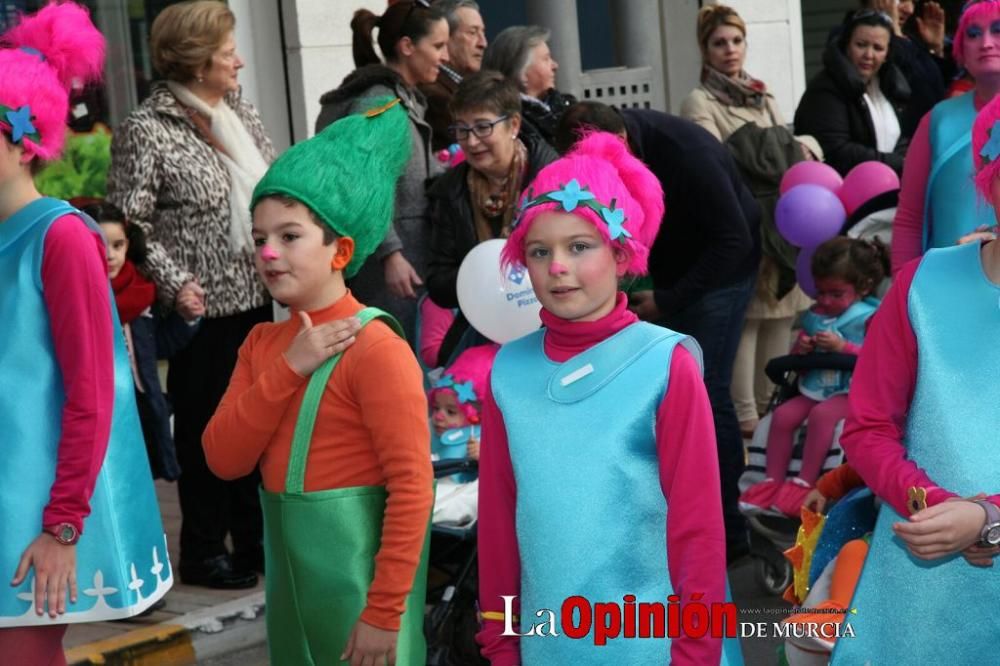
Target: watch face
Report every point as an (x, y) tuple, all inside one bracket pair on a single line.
[(993, 536), (66, 533)]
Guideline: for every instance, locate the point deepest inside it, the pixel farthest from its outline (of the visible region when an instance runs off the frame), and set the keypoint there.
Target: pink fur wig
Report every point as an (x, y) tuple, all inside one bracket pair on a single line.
[(983, 12), (472, 366), (601, 173), (986, 147), (43, 57)]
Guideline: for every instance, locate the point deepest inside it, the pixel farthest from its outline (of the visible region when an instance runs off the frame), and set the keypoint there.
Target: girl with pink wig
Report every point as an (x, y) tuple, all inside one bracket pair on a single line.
[(598, 470), (77, 503), (922, 432)]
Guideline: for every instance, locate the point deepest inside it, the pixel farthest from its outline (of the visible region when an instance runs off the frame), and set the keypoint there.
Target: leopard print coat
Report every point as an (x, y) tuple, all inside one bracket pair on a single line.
[(167, 179)]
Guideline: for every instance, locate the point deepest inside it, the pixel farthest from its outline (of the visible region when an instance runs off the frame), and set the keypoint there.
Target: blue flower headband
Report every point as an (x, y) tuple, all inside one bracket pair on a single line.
[(20, 123), (991, 149), (465, 391), (571, 196)]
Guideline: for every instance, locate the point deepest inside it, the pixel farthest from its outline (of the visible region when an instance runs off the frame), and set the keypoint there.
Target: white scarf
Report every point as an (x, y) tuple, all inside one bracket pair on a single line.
[(245, 163), (883, 117)]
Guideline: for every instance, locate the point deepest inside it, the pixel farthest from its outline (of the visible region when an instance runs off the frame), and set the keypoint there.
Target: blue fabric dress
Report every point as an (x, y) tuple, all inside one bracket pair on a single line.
[(850, 325), (912, 611), (121, 558), (591, 516)]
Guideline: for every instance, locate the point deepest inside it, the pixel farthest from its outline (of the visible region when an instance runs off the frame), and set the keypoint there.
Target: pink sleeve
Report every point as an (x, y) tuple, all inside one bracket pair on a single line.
[(881, 391), (78, 299), (499, 557), (434, 324), (908, 225), (852, 347), (689, 477)]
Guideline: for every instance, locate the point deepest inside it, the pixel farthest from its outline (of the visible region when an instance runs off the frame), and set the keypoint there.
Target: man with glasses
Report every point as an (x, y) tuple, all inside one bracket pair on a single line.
[(466, 44)]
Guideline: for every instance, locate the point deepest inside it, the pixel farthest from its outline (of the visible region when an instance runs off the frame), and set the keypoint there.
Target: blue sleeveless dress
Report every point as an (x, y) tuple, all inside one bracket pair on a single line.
[(951, 207), (122, 565), (911, 611), (571, 439), (850, 325)]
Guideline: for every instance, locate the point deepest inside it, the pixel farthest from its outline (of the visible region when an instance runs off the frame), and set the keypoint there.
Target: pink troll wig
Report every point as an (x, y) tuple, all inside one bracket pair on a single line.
[(471, 368), (613, 185), (41, 59), (979, 11), (986, 147)]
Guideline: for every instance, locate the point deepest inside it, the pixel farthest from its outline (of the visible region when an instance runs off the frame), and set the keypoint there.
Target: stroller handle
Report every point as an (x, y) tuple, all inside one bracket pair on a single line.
[(443, 468), (778, 369)]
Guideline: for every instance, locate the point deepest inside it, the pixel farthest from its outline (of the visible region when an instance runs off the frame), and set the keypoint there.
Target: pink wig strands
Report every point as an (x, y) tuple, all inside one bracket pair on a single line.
[(43, 57), (982, 12), (472, 365), (602, 164), (986, 148)]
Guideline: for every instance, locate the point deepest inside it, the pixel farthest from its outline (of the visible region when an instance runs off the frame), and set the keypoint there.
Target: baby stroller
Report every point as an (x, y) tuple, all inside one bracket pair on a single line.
[(451, 622), (772, 533)]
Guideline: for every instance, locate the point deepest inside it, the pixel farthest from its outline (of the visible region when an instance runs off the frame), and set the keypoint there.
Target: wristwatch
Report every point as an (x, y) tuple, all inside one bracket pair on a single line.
[(990, 536), (64, 533)]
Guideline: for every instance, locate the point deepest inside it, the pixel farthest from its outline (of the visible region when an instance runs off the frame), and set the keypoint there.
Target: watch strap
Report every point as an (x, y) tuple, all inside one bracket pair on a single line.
[(992, 518)]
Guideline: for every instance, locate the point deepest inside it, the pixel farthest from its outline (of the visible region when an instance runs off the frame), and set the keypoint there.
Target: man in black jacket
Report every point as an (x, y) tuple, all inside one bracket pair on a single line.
[(703, 263)]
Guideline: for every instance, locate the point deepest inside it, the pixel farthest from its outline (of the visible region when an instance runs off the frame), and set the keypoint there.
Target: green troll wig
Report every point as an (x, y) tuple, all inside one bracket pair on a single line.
[(346, 175)]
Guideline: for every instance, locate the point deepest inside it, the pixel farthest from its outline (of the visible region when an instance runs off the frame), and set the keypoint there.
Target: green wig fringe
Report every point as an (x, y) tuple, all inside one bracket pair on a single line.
[(347, 174)]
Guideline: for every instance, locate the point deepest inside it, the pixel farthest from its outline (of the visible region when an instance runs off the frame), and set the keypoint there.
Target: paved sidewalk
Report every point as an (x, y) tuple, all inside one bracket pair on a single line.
[(166, 633)]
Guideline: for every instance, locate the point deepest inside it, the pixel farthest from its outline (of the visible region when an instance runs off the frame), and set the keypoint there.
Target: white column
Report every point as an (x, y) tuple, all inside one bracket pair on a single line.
[(682, 57), (560, 17), (639, 43), (263, 78)]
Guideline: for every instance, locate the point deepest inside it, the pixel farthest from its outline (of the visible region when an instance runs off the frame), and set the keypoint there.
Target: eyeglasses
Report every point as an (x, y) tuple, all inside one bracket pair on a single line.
[(880, 16), (481, 129)]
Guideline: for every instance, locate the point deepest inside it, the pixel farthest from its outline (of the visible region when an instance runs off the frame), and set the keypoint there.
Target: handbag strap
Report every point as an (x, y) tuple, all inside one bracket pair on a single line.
[(301, 440)]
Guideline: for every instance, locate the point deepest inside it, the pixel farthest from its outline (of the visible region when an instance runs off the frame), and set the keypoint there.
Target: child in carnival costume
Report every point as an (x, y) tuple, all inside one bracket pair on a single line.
[(922, 433), (82, 537), (598, 469), (341, 438)]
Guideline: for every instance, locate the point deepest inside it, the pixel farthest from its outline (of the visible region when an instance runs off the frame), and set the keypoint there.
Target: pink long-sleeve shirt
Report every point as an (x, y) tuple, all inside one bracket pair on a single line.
[(78, 299), (689, 480), (881, 391)]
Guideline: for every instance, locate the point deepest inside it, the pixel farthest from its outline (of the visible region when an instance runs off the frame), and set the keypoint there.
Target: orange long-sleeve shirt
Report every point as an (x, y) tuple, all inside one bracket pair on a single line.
[(371, 429)]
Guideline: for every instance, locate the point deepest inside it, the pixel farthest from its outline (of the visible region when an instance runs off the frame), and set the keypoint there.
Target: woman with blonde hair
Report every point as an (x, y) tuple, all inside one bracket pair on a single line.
[(183, 167), (727, 100)]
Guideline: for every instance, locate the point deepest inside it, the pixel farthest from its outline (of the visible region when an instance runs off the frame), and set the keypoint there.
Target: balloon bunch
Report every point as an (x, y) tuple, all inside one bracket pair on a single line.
[(497, 301), (451, 156), (815, 203)]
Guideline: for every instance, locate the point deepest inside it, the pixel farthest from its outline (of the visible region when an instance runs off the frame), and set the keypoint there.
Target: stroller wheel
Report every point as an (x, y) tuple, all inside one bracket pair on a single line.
[(775, 577)]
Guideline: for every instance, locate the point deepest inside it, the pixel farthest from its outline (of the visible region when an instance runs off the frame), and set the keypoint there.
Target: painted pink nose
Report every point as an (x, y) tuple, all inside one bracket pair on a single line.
[(268, 253), (555, 268)]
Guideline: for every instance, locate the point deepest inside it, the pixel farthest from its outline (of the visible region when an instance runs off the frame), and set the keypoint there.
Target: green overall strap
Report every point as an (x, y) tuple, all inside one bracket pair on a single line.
[(295, 479)]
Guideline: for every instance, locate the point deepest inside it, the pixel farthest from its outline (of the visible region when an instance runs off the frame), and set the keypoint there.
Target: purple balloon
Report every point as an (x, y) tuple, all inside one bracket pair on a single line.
[(811, 173), (808, 215), (803, 272)]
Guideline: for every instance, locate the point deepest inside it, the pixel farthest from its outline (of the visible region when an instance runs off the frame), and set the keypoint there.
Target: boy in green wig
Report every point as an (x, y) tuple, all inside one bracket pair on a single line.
[(341, 438)]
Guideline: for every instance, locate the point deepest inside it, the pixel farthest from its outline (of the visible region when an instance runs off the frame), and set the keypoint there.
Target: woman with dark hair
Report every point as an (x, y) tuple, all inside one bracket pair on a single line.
[(853, 105), (475, 201), (521, 53), (413, 37)]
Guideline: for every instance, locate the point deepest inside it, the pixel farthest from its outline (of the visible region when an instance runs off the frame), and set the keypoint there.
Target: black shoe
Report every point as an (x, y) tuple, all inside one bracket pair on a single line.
[(216, 572), (252, 561)]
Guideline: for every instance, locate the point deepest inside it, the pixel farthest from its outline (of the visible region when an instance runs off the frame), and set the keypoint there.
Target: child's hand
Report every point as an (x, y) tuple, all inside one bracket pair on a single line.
[(804, 344), (815, 501), (370, 645), (829, 341), (190, 301), (943, 529), (55, 573), (473, 448), (980, 556), (314, 344)]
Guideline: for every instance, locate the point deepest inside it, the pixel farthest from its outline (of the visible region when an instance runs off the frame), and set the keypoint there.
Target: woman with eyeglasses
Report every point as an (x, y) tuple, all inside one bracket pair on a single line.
[(853, 105), (521, 53), (413, 38), (937, 202), (475, 201)]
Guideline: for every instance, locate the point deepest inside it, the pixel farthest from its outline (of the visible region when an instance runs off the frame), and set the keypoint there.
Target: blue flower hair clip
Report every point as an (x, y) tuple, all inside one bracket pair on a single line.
[(991, 149), (465, 392), (572, 196), (446, 381), (20, 123)]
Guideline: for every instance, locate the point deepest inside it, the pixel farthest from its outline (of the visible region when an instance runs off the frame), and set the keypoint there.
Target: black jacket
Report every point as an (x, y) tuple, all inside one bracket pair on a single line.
[(834, 111), (453, 227), (710, 234), (543, 119)]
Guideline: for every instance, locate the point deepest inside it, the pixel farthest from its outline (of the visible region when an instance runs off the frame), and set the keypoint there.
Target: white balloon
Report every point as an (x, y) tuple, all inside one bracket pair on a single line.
[(500, 304)]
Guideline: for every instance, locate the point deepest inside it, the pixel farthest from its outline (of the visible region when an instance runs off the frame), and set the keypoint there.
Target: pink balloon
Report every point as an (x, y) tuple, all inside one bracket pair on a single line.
[(866, 181), (809, 172)]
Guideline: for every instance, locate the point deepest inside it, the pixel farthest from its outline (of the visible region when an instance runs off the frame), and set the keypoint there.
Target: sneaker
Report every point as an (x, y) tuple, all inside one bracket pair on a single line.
[(759, 496), (817, 630), (788, 500)]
